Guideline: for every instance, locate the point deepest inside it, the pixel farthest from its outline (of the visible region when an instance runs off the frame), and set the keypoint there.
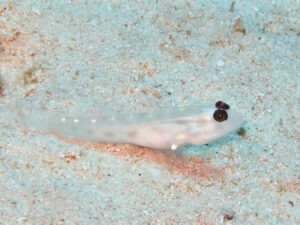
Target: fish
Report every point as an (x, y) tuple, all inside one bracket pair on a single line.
[(167, 128)]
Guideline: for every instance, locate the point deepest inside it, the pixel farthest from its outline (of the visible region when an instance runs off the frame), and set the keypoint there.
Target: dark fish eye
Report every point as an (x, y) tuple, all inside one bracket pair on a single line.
[(222, 105), (220, 115)]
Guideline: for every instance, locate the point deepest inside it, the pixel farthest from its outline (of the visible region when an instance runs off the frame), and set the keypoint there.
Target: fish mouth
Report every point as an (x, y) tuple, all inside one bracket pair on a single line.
[(234, 120)]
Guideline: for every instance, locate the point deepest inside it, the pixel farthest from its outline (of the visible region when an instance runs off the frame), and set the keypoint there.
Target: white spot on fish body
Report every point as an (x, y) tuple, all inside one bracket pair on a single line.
[(174, 147)]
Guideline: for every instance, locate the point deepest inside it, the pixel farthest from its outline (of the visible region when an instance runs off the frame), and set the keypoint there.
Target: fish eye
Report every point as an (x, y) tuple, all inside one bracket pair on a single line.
[(220, 115), (222, 105)]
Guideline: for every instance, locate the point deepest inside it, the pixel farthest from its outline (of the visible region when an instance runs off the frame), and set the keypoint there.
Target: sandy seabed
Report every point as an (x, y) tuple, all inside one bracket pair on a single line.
[(97, 57)]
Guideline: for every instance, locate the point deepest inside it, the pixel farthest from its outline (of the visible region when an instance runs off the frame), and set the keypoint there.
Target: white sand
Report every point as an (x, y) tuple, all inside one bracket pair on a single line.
[(87, 57)]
